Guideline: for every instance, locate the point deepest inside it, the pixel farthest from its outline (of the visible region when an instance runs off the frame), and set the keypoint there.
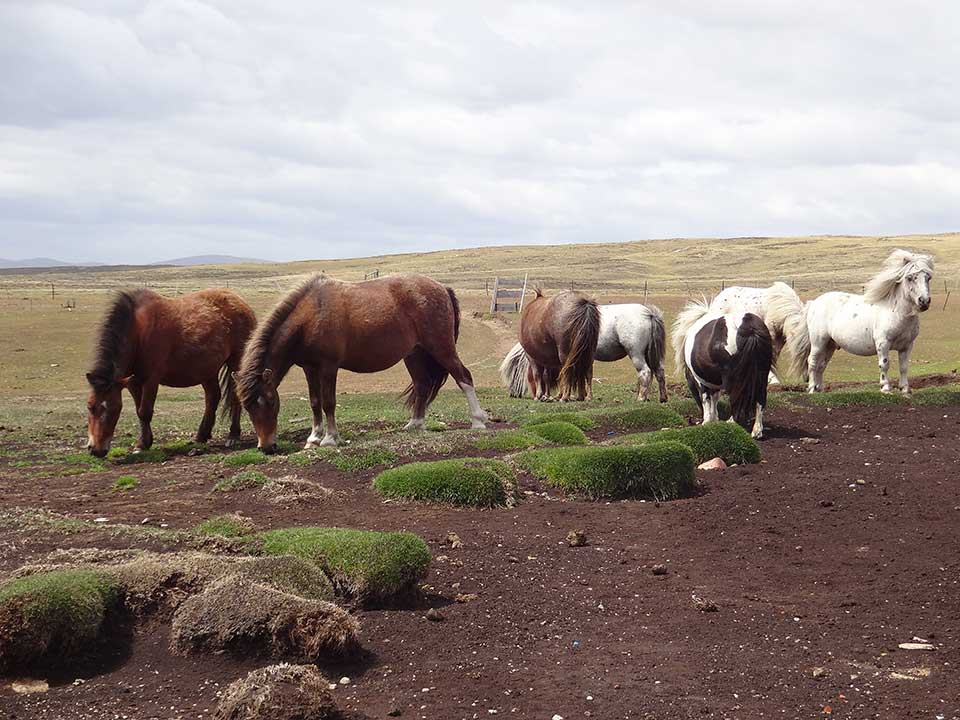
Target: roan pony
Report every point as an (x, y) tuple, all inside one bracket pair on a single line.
[(147, 340), (559, 335), (365, 327), (629, 330), (884, 318), (732, 353)]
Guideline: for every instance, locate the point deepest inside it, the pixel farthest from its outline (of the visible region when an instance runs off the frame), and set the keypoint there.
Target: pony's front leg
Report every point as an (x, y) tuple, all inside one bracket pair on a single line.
[(709, 401), (903, 365), (313, 386), (883, 360), (328, 399), (757, 432), (148, 397)]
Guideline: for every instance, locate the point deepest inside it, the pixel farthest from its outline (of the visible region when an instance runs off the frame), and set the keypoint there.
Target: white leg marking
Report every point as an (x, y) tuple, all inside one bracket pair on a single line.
[(477, 414)]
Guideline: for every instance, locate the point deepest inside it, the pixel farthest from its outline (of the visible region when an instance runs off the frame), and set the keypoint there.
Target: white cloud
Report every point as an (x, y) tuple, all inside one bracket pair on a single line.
[(132, 130)]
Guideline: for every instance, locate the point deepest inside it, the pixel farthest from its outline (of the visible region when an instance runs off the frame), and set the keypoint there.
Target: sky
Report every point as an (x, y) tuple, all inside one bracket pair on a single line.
[(139, 130)]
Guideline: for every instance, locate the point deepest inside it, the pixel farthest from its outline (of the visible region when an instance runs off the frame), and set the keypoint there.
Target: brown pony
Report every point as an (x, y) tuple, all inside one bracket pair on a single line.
[(147, 340), (559, 335), (365, 327)]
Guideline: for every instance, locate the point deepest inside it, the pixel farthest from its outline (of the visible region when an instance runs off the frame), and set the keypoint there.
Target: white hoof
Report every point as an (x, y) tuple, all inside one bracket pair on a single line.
[(906, 391), (329, 441), (478, 425), (885, 389), (757, 435), (415, 425)]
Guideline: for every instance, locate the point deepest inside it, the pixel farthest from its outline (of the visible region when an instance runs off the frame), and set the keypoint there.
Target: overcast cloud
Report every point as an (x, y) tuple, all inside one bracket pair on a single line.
[(132, 131)]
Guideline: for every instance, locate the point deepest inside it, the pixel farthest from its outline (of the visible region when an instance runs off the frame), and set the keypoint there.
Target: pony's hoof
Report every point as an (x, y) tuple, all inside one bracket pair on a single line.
[(886, 390), (232, 442), (477, 425), (757, 436), (415, 426), (311, 444), (329, 441), (906, 392)]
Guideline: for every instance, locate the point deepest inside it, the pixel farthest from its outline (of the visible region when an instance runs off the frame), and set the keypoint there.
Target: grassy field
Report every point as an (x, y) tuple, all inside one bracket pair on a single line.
[(46, 346)]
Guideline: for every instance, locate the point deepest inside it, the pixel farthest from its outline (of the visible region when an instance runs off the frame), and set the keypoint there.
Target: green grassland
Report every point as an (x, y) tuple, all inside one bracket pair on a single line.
[(46, 347)]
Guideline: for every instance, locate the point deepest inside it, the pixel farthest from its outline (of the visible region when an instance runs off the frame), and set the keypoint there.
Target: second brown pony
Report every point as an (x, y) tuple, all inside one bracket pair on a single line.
[(147, 340), (325, 325), (559, 334)]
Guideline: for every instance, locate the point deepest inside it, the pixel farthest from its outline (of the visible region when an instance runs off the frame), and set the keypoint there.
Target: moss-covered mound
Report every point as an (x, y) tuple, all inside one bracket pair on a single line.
[(839, 398), (243, 480), (646, 416), (581, 420), (477, 482), (372, 567), (937, 395), (244, 618), (231, 525), (279, 692), (663, 470), (51, 618), (717, 439), (510, 440), (560, 433)]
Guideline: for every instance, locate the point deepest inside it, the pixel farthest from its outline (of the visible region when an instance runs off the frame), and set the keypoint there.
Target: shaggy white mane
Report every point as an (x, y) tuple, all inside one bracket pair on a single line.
[(883, 286)]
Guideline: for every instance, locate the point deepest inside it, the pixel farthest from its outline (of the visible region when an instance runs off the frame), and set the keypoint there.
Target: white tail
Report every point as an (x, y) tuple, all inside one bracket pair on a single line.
[(787, 316), (692, 311), (513, 371)]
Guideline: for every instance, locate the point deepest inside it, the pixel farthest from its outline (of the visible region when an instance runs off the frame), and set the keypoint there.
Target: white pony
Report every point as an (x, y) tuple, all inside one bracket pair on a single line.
[(632, 330), (884, 318), (738, 300)]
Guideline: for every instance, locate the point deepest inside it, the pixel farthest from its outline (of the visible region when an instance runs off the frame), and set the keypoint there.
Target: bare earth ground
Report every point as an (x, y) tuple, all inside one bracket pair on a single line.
[(838, 547)]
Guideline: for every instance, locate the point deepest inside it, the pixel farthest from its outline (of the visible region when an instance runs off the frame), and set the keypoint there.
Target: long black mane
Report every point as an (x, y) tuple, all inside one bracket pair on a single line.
[(112, 338), (249, 379)]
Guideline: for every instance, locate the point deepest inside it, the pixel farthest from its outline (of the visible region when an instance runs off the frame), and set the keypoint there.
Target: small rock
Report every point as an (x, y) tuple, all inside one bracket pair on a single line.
[(27, 686), (576, 538), (826, 503), (100, 520), (344, 680), (810, 441), (466, 597), (454, 540), (557, 717), (916, 646), (861, 481), (396, 712), (703, 605), (434, 615), (659, 569), (714, 464), (819, 672)]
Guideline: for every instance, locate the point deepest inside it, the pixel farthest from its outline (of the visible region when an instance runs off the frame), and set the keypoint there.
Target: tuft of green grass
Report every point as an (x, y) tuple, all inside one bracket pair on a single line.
[(839, 398), (938, 395), (661, 470), (560, 433), (250, 456), (121, 456), (373, 567), (125, 482), (182, 447), (231, 525), (510, 440), (716, 439), (81, 463), (477, 482), (646, 416), (49, 618), (243, 480), (581, 420), (352, 459)]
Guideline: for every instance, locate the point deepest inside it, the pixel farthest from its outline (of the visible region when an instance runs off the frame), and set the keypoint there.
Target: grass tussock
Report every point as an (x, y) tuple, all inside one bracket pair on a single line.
[(278, 692), (243, 480), (940, 395), (510, 440), (52, 618), (371, 567), (840, 398), (242, 458), (663, 470), (560, 433), (716, 439), (231, 525), (247, 619), (476, 482), (645, 416), (353, 459), (125, 482), (580, 419)]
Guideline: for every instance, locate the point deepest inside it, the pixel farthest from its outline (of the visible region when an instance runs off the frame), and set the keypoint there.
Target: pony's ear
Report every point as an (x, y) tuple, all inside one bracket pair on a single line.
[(267, 375), (124, 382), (91, 379)]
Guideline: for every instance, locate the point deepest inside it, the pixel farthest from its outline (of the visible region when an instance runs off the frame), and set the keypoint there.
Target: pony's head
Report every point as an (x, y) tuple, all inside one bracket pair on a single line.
[(261, 400), (103, 410), (904, 276)]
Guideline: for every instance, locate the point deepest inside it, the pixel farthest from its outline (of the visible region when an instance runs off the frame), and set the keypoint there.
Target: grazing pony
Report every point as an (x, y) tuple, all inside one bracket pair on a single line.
[(732, 353), (365, 327), (737, 300), (559, 335), (147, 340), (632, 330), (884, 318)]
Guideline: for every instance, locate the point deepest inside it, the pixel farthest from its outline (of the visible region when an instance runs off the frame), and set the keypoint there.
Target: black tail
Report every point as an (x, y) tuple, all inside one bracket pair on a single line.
[(229, 397), (747, 376), (656, 350), (433, 371)]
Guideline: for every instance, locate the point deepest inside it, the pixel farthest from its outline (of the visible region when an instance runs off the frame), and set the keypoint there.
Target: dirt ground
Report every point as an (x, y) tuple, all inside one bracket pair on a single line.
[(820, 561)]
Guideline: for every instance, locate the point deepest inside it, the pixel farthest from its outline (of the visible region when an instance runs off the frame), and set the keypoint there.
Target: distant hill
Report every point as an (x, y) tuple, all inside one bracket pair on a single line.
[(210, 260), (42, 262)]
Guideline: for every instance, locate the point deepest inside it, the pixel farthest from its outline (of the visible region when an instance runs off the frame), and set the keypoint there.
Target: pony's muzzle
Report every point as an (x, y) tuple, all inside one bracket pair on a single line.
[(270, 449), (97, 452), (923, 304)]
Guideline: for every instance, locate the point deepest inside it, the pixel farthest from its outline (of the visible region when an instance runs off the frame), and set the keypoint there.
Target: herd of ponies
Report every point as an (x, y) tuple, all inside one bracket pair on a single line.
[(729, 344)]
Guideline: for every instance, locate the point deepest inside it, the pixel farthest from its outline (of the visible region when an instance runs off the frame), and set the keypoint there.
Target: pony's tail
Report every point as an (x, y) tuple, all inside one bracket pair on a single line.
[(229, 397), (433, 371), (692, 311), (513, 371), (747, 378), (787, 317), (656, 351), (581, 335)]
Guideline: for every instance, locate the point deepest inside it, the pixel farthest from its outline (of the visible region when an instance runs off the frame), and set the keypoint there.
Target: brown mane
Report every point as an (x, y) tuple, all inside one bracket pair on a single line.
[(112, 337), (255, 357)]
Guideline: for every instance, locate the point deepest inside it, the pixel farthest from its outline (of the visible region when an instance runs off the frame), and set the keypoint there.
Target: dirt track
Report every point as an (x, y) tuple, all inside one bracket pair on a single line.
[(841, 545)]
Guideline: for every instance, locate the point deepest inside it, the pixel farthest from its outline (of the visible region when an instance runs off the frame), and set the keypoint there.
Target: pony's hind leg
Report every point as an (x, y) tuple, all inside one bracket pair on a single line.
[(757, 432), (211, 397), (903, 365), (328, 400), (820, 355), (148, 397), (450, 361), (883, 361), (312, 375), (419, 366), (644, 377)]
